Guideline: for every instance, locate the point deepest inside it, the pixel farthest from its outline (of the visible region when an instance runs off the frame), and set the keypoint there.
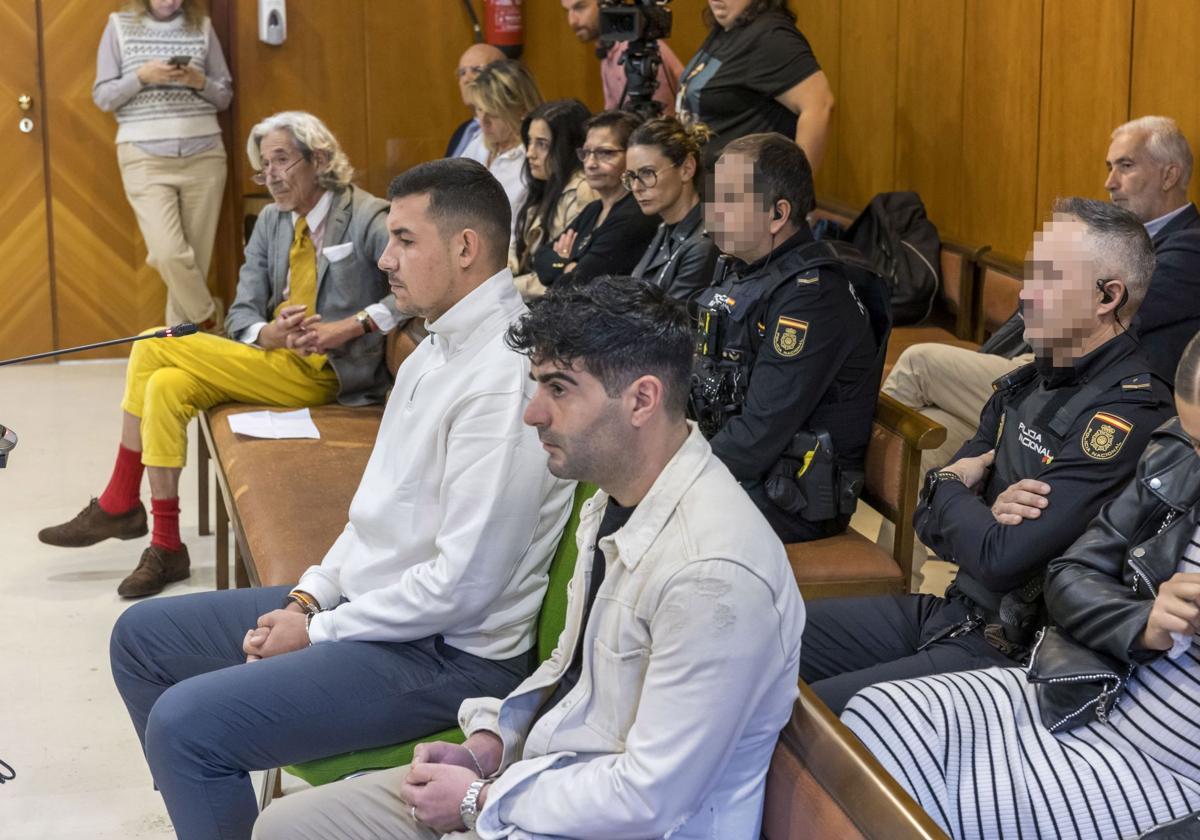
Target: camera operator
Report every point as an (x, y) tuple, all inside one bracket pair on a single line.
[(755, 72), (583, 16)]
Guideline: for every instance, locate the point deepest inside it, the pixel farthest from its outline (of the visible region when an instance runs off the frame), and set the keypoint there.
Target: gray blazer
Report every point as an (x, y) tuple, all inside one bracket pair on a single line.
[(343, 287)]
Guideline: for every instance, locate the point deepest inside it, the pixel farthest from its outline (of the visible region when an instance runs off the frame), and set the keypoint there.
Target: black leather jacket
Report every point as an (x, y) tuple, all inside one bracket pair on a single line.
[(1102, 589)]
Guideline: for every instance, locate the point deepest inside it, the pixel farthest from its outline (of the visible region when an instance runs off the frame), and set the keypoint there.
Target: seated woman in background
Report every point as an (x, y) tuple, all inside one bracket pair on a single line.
[(1102, 738), (557, 188), (610, 234), (503, 94), (663, 175)]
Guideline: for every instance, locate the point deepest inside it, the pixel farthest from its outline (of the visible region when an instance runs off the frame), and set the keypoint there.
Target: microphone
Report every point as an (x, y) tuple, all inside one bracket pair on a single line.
[(8, 439), (177, 331)]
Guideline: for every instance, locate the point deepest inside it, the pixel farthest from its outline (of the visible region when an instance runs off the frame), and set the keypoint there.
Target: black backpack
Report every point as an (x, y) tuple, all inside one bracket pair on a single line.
[(897, 238)]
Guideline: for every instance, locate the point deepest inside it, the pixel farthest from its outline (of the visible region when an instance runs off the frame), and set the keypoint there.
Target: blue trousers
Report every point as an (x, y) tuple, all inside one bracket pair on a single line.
[(206, 718)]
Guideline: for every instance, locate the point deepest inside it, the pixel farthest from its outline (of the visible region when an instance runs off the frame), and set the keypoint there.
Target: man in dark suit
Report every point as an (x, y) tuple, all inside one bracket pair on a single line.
[(473, 59), (1149, 164)]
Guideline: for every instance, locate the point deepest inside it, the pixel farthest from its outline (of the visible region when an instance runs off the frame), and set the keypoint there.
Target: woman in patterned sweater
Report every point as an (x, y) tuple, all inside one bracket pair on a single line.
[(160, 69), (1101, 737)]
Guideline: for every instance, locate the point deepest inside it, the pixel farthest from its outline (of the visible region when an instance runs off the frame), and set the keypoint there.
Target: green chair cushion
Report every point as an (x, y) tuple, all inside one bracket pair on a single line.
[(551, 620)]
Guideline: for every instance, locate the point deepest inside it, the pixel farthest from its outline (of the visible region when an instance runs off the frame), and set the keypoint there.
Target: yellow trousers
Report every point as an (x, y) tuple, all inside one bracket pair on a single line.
[(171, 379)]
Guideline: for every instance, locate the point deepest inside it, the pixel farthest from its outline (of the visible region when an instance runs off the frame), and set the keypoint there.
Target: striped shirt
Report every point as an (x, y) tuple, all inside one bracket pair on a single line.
[(971, 749)]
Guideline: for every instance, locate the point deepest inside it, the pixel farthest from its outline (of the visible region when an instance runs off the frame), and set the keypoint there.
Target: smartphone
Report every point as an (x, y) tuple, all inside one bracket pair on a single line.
[(179, 60)]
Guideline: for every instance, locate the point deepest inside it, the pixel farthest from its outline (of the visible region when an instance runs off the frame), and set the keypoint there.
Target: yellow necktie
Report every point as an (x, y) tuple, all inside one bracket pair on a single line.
[(302, 291)]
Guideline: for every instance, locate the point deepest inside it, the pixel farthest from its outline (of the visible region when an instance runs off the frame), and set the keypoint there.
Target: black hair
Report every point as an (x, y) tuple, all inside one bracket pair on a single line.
[(565, 118), (756, 8), (675, 141), (781, 172), (622, 124), (462, 194), (1187, 375), (617, 329)]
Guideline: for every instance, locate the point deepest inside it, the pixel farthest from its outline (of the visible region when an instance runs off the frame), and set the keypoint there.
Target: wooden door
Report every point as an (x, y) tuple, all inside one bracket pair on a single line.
[(105, 289), (26, 322)]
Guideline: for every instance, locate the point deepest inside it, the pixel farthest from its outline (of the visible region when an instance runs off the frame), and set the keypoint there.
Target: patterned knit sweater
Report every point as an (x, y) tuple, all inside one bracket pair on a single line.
[(160, 112)]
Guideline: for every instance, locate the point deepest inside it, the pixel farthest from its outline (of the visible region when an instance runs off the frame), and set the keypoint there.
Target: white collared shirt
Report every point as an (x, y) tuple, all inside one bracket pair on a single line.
[(1155, 225), (691, 656), (456, 518)]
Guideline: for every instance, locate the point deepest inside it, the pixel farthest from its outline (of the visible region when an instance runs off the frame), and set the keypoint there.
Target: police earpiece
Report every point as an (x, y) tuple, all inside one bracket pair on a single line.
[(1105, 294), (777, 215)]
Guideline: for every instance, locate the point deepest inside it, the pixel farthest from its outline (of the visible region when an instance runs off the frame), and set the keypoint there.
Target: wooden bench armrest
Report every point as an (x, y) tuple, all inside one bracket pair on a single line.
[(918, 431), (852, 776)]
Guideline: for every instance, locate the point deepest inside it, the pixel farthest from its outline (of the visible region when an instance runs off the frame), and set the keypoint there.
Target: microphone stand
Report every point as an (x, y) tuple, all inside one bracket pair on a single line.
[(177, 331)]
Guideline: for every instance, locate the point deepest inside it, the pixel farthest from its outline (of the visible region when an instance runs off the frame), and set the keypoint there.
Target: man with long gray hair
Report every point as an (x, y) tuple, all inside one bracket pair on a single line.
[(306, 328)]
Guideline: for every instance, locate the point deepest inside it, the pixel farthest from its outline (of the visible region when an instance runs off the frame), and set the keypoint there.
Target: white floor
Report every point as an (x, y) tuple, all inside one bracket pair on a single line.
[(79, 769), (63, 729)]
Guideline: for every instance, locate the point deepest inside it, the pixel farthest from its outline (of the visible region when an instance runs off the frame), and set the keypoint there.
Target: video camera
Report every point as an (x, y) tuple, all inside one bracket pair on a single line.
[(640, 23)]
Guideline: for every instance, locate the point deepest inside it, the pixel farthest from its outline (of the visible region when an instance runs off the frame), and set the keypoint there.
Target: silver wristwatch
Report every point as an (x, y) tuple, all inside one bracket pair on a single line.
[(468, 809)]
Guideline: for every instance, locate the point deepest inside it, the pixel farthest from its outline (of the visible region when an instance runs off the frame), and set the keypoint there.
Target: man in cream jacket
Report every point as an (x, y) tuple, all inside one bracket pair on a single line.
[(658, 712)]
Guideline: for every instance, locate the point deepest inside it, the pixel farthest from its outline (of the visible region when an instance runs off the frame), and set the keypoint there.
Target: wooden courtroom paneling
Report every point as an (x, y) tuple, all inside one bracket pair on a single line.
[(821, 23), (1085, 94), (1166, 69), (321, 67), (866, 145), (929, 107), (1001, 89), (26, 323), (104, 288), (562, 65)]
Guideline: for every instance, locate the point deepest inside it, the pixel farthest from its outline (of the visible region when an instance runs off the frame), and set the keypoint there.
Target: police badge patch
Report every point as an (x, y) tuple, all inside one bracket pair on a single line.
[(789, 336), (1105, 435)]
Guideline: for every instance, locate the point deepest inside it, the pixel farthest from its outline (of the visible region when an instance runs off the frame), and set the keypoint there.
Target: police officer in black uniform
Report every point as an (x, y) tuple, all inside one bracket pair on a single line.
[(1059, 438), (790, 347)]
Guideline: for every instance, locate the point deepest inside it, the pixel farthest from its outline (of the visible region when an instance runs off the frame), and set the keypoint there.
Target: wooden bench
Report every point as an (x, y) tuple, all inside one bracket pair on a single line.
[(823, 783), (1000, 285)]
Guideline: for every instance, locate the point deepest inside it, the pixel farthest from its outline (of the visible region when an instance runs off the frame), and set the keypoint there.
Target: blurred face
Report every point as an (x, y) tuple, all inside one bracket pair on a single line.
[(498, 135), (583, 16), (603, 160), (1135, 181), (727, 11), (474, 59), (164, 9), (418, 260), (580, 426), (537, 152), (1059, 295), (290, 177), (736, 215), (657, 184)]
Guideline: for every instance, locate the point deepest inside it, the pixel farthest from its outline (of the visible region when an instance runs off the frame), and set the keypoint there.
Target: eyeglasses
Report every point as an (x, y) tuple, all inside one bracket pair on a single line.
[(602, 155), (473, 69), (281, 168), (646, 176)]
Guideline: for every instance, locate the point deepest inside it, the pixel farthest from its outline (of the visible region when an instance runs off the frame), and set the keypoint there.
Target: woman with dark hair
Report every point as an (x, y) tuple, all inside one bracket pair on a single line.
[(755, 72), (663, 175), (558, 189), (610, 234)]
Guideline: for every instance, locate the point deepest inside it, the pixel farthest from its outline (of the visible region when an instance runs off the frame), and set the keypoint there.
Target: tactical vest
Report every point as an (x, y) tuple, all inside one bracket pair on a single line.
[(731, 324)]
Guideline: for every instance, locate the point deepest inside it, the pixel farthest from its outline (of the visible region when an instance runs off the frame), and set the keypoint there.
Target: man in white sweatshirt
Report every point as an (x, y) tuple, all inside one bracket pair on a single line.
[(430, 594), (659, 709)]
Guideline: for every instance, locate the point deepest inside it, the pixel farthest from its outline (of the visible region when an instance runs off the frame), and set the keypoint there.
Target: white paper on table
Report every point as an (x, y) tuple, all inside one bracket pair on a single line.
[(274, 425)]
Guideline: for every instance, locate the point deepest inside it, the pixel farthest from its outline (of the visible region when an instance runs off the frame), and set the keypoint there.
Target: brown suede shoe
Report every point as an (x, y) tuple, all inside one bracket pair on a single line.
[(156, 569), (92, 525)]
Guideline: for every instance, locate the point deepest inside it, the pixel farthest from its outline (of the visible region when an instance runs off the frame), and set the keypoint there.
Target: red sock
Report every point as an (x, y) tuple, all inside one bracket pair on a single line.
[(125, 485), (166, 524)]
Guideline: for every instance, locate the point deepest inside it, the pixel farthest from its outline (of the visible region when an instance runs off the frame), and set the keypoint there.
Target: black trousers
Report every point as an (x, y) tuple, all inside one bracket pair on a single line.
[(851, 643)]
